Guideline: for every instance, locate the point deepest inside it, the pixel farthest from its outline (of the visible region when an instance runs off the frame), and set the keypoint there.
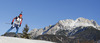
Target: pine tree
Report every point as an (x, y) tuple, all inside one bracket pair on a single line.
[(25, 32)]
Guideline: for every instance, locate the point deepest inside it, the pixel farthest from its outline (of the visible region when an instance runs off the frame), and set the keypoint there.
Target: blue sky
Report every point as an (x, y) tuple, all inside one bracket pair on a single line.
[(42, 13)]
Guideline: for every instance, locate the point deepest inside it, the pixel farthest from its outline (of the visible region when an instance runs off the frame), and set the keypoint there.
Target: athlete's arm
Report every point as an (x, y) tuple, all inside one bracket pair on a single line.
[(20, 23), (14, 19)]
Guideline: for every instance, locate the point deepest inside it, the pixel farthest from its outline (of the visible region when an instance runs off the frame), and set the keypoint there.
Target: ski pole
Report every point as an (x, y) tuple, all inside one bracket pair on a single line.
[(7, 23)]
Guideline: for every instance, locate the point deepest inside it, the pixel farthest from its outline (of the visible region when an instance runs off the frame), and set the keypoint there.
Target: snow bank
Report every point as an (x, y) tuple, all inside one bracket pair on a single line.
[(4, 39)]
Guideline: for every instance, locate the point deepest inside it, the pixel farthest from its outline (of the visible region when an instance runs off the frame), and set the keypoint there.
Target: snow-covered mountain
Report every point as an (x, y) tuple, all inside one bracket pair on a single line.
[(67, 25), (78, 22), (78, 35), (19, 40)]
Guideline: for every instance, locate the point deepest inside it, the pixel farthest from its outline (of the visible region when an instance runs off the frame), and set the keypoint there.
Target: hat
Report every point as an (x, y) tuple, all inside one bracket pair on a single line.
[(20, 15)]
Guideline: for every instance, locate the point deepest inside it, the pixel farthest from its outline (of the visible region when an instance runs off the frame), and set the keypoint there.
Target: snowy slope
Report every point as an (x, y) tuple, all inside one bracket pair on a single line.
[(19, 40)]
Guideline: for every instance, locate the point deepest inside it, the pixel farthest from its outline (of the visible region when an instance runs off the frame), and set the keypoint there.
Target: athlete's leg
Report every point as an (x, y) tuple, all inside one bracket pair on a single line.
[(17, 28), (10, 29)]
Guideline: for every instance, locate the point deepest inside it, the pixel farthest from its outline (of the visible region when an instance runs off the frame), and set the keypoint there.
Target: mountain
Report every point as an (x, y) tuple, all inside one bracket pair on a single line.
[(56, 38), (79, 35), (88, 33), (64, 27), (19, 40)]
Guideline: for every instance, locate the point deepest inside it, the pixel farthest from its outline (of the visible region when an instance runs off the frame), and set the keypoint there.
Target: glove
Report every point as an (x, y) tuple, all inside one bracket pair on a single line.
[(11, 23), (20, 25)]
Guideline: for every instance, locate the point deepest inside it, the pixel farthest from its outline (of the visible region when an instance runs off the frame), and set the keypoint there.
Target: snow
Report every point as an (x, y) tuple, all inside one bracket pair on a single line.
[(4, 39), (78, 22)]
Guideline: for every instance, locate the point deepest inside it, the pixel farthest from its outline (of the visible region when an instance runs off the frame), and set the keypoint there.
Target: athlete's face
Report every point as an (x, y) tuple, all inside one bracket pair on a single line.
[(20, 16)]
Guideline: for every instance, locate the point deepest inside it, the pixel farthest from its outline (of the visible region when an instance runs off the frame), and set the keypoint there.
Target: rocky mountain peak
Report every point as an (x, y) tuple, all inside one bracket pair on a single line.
[(65, 27), (78, 22)]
